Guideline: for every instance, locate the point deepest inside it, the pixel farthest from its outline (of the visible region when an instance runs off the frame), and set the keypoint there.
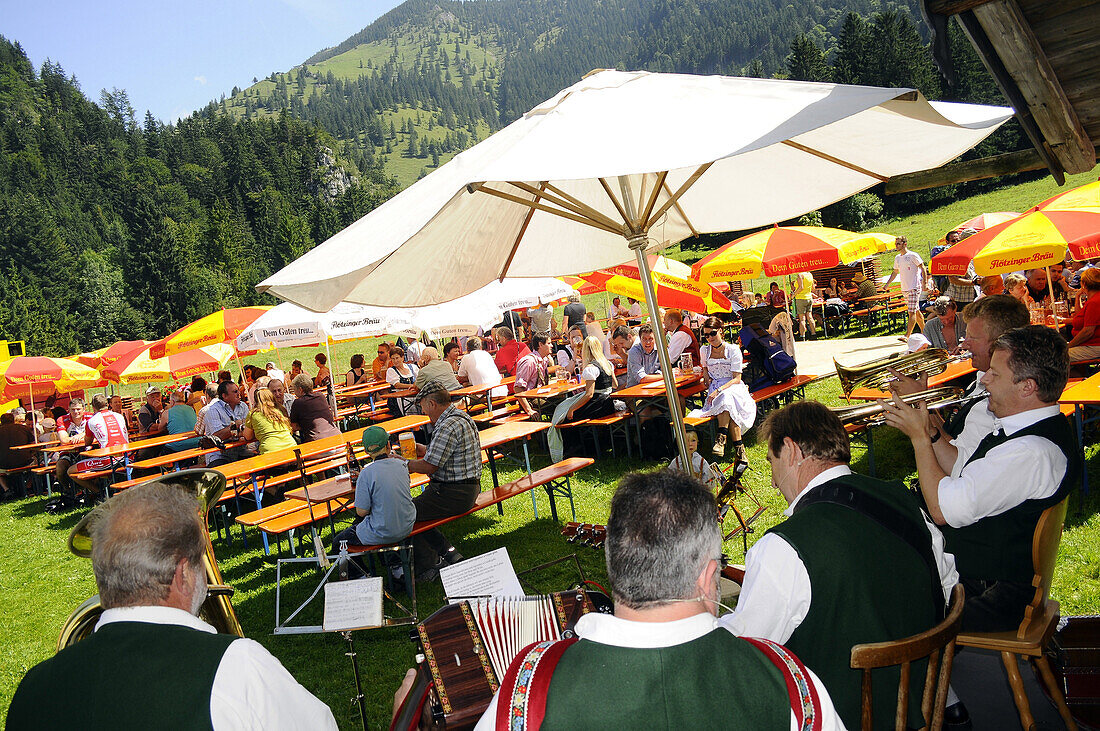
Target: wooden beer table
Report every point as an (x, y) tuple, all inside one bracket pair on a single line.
[(1084, 398), (652, 393)]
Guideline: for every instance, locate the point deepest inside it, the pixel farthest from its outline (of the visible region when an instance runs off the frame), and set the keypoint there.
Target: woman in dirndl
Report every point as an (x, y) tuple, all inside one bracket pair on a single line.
[(728, 398)]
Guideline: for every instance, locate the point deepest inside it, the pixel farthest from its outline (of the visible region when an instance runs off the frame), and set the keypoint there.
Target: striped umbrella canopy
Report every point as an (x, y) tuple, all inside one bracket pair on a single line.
[(581, 285), (981, 222), (42, 376), (673, 283), (121, 349), (92, 359), (783, 250), (222, 326), (140, 367), (1037, 238)]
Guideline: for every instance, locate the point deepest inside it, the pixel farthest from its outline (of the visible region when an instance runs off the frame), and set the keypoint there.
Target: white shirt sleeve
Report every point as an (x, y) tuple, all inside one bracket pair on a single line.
[(252, 690), (1024, 468), (775, 596), (679, 341), (591, 372)]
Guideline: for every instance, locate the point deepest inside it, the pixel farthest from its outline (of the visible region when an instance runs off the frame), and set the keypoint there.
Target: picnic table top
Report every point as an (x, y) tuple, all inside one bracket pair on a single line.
[(655, 388), (1083, 393), (250, 465), (120, 449), (550, 390), (495, 436)]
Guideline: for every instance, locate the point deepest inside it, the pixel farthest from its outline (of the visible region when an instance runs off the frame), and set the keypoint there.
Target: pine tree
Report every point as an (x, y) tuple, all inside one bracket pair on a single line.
[(851, 51), (807, 60)]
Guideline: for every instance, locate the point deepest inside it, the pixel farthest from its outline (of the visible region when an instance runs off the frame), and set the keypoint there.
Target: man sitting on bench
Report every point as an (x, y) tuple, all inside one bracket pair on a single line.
[(452, 460), (383, 500)]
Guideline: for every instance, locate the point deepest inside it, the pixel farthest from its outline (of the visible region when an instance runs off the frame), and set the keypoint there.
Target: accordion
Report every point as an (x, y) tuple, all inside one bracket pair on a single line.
[(468, 646)]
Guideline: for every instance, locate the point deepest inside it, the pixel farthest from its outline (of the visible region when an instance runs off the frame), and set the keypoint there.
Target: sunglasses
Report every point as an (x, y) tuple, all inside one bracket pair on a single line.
[(709, 333)]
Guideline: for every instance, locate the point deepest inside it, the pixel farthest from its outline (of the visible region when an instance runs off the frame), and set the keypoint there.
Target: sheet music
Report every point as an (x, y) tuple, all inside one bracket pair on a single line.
[(355, 604), (490, 574)]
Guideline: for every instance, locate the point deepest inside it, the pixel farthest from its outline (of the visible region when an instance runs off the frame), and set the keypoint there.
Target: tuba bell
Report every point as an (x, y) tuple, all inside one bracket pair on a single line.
[(207, 486), (876, 373)]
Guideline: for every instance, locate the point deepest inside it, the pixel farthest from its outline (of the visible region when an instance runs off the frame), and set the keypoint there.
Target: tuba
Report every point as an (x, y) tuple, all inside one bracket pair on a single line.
[(217, 610), (876, 373), (872, 414)]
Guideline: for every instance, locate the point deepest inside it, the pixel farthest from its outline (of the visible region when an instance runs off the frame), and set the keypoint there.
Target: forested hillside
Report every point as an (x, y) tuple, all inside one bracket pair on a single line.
[(111, 229), (431, 77)]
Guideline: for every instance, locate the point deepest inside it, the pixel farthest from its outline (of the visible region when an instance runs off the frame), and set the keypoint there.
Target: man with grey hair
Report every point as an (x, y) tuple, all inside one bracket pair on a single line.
[(151, 661), (663, 555), (509, 351), (434, 369)]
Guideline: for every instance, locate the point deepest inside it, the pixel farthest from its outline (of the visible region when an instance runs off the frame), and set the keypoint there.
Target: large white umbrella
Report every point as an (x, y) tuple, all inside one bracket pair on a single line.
[(629, 161), (288, 325)]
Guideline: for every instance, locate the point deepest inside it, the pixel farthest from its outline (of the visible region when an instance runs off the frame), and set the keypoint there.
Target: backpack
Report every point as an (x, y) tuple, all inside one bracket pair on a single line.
[(657, 441), (766, 352)]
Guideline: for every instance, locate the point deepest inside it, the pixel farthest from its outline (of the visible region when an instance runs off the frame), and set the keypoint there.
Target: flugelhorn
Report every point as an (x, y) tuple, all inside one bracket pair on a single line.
[(872, 414), (876, 373), (207, 486)]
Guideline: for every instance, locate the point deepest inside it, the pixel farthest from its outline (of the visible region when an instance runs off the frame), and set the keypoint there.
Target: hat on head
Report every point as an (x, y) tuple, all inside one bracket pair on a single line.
[(151, 390), (916, 342), (429, 388), (376, 440), (859, 277)]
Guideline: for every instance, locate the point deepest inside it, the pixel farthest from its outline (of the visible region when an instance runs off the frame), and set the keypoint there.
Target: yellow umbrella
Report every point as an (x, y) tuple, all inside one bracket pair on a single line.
[(139, 367), (222, 326), (783, 250)]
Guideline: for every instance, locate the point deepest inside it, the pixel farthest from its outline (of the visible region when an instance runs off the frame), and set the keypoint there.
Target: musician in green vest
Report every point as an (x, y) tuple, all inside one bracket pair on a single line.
[(988, 487), (151, 663), (661, 661), (855, 561)]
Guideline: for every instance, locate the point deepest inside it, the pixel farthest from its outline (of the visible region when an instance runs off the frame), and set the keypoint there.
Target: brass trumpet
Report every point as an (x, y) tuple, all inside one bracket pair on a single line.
[(876, 373), (872, 414), (217, 610)]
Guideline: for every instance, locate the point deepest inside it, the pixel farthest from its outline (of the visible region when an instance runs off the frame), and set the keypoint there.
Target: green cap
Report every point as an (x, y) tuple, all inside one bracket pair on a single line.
[(376, 440)]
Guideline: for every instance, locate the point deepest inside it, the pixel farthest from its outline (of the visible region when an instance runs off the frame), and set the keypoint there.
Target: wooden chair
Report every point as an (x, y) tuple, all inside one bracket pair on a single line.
[(1039, 623), (936, 644)]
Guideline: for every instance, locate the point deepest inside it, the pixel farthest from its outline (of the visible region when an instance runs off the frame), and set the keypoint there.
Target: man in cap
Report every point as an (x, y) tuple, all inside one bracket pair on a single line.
[(151, 662), (946, 330), (383, 498), (452, 460)]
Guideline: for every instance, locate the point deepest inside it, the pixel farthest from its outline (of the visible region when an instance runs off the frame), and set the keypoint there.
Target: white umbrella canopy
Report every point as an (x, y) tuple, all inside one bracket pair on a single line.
[(629, 161), (749, 151), (288, 325)]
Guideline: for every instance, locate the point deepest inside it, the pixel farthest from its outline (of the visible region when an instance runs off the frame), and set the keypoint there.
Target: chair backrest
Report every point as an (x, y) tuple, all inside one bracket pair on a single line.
[(1044, 551), (936, 644)]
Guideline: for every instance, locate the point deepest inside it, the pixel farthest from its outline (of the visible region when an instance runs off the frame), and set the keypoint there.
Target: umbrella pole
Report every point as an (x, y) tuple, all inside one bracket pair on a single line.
[(237, 357), (278, 356), (638, 243)]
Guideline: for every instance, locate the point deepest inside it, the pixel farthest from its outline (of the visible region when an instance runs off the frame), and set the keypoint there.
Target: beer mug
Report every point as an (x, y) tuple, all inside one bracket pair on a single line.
[(685, 363), (408, 445)]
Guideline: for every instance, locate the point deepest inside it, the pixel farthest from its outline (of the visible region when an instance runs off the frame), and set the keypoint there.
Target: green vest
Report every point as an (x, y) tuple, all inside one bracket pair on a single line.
[(867, 585), (126, 675), (998, 547), (714, 681)]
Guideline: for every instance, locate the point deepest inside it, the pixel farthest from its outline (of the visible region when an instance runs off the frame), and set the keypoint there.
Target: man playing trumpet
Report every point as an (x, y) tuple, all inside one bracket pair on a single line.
[(988, 486)]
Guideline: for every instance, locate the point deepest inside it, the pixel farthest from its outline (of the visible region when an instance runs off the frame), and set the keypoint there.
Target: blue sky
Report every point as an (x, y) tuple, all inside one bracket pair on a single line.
[(174, 57)]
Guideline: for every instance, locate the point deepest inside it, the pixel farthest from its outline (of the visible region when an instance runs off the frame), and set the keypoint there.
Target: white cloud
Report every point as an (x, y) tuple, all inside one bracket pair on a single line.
[(201, 79)]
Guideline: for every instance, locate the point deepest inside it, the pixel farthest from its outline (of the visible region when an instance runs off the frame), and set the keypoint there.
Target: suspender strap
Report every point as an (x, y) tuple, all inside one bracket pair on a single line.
[(521, 701), (805, 702), (888, 518)]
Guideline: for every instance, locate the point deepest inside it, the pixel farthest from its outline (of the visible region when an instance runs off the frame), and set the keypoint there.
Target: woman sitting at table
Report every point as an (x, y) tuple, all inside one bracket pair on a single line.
[(1016, 285), (179, 418), (1085, 344), (569, 357), (295, 369), (358, 375), (599, 381), (196, 398), (324, 375), (728, 398), (401, 375), (268, 424)]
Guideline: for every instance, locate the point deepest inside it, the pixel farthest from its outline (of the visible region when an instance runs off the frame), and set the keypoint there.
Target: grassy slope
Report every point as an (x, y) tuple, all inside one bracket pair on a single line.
[(40, 583), (371, 56)]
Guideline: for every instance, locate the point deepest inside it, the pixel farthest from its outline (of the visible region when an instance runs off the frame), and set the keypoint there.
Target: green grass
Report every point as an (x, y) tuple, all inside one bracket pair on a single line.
[(41, 583)]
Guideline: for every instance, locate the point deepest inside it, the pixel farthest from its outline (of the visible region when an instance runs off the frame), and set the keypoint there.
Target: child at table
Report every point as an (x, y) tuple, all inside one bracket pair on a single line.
[(700, 467)]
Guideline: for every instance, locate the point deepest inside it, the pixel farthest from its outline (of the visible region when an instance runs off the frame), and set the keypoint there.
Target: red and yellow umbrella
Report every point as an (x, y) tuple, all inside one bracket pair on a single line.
[(121, 349), (222, 326), (92, 358), (981, 222), (42, 376), (672, 281), (1037, 238), (784, 250), (581, 285), (140, 367)]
